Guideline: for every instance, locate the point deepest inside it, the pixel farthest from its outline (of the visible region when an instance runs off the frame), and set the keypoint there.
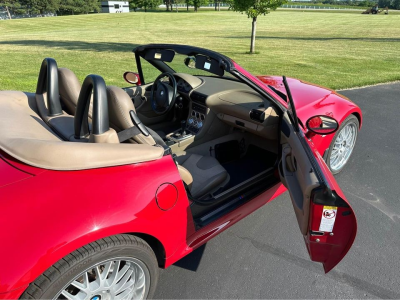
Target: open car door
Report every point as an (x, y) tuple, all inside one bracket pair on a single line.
[(325, 218)]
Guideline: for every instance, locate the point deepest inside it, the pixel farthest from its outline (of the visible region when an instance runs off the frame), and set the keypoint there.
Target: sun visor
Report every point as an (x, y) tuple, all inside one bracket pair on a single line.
[(163, 55), (208, 64)]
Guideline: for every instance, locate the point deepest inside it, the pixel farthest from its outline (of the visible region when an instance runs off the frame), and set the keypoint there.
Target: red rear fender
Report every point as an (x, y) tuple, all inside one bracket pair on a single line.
[(57, 212)]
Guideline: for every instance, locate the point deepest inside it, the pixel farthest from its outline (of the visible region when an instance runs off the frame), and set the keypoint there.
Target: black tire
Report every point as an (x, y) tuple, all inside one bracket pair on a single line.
[(55, 278), (348, 120)]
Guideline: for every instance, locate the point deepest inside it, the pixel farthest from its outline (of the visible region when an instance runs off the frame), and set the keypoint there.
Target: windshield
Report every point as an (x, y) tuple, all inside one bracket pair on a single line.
[(180, 63), (179, 66)]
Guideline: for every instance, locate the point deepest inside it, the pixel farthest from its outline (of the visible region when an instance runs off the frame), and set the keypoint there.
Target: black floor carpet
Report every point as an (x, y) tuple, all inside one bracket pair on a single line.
[(254, 162)]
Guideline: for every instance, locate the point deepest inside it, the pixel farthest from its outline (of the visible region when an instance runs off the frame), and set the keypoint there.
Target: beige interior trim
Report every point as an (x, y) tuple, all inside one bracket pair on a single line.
[(193, 81), (235, 105), (26, 137), (109, 137), (186, 176)]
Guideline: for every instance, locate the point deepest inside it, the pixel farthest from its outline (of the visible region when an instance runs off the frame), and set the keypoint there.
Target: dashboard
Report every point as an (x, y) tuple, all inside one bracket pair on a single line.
[(233, 102)]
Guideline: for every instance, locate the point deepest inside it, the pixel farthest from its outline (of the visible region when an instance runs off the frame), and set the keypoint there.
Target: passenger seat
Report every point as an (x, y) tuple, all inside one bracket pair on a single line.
[(202, 174), (208, 174)]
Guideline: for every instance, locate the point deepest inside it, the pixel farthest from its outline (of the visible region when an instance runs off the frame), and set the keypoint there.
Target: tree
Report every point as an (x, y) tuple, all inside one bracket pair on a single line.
[(253, 9), (87, 6), (198, 3), (135, 4), (12, 7), (176, 2), (67, 7), (168, 4), (188, 3), (395, 4), (217, 5), (78, 6), (42, 6)]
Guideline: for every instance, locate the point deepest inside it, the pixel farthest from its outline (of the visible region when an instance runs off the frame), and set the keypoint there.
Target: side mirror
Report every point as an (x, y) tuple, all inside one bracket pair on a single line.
[(132, 78), (322, 125), (190, 62)]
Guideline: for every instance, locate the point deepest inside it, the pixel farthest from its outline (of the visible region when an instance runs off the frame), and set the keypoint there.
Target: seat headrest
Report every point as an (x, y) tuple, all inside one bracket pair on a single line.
[(119, 106), (69, 87)]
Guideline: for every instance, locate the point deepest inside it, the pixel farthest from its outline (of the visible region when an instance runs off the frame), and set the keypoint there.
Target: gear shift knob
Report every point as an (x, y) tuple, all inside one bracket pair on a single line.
[(183, 127)]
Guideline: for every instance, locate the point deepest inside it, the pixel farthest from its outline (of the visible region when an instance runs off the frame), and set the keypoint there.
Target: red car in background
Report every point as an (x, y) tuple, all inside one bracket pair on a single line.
[(100, 185)]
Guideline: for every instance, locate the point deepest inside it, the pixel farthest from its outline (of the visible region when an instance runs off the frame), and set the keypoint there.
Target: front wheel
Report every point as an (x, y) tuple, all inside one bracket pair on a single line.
[(342, 144), (118, 267)]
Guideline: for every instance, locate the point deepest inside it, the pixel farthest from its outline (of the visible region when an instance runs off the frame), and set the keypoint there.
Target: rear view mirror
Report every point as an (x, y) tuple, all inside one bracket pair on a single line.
[(190, 62), (132, 78), (322, 125)]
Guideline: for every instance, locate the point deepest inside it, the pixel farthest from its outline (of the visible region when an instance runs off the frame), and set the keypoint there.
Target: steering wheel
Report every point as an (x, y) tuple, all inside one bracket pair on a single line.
[(163, 95)]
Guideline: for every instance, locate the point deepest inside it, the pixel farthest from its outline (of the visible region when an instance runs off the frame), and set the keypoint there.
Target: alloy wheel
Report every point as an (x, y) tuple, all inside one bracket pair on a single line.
[(343, 146), (120, 278)]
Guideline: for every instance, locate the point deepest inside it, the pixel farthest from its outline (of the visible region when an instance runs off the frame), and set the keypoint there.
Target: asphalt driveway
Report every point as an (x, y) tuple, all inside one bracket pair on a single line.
[(263, 256)]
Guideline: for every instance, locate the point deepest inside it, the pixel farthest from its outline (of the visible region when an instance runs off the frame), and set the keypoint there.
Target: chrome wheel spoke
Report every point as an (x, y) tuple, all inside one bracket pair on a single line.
[(80, 286), (121, 273), (124, 283), (334, 154), (112, 279), (141, 281), (127, 294)]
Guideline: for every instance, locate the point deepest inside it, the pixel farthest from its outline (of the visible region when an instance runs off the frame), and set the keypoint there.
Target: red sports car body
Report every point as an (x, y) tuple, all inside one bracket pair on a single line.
[(49, 210)]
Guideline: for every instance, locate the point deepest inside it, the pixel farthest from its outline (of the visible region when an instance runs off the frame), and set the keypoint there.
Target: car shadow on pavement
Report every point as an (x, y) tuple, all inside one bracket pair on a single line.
[(191, 262)]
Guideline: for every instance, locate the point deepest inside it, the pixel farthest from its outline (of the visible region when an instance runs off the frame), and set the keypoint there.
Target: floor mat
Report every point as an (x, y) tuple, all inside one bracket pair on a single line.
[(254, 162)]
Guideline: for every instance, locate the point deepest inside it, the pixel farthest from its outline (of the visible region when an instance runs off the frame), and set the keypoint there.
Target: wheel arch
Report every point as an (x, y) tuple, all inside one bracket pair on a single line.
[(358, 116), (155, 244)]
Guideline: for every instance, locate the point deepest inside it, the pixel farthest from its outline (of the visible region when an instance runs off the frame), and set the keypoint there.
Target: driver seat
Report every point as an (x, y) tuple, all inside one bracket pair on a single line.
[(119, 106), (202, 174)]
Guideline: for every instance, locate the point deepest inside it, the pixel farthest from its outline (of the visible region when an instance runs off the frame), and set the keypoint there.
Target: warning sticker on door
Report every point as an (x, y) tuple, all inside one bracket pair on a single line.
[(328, 218)]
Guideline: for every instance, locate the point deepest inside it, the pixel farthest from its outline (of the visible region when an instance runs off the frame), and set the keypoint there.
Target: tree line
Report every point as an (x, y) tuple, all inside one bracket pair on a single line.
[(392, 4), (71, 7), (171, 5), (60, 7)]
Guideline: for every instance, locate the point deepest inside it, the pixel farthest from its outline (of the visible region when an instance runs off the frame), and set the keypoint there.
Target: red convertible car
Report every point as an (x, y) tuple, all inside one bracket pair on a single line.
[(101, 186)]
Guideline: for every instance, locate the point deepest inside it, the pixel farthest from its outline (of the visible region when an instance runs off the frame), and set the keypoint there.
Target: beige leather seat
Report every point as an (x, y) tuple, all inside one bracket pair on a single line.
[(202, 174), (119, 106), (69, 88)]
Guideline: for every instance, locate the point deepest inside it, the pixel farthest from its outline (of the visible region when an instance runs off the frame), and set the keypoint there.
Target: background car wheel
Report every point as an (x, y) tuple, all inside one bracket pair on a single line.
[(342, 144), (118, 267)]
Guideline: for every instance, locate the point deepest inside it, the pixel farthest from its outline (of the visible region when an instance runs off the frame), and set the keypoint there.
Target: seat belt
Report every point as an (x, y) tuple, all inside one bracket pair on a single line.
[(139, 128), (126, 134)]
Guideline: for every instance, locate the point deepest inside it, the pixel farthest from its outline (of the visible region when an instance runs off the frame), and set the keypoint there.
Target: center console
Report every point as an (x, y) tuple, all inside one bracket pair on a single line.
[(196, 119), (194, 123)]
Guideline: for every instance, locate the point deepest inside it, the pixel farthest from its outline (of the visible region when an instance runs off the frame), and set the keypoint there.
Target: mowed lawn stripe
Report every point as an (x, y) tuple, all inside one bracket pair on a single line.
[(337, 50)]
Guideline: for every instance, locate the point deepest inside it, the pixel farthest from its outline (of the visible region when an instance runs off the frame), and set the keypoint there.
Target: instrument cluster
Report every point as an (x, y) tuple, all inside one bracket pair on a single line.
[(183, 86)]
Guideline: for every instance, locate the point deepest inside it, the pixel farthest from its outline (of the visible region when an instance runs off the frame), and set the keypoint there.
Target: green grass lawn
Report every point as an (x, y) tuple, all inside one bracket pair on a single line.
[(338, 50)]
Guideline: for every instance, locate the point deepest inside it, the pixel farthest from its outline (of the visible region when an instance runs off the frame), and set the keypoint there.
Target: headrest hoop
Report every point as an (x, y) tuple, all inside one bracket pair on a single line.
[(48, 82), (100, 120)]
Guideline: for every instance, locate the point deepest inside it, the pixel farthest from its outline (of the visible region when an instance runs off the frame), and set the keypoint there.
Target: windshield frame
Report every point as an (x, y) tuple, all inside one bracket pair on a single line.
[(227, 64)]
